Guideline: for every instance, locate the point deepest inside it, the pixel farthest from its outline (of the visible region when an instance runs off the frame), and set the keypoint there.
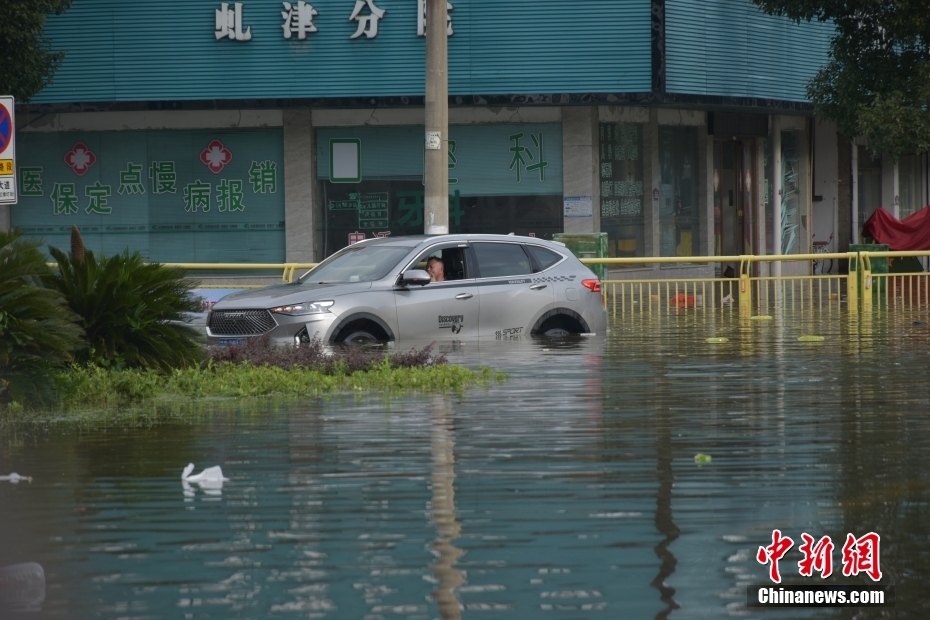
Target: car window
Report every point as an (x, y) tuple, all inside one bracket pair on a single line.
[(357, 264), (501, 259), (545, 258), (453, 262)]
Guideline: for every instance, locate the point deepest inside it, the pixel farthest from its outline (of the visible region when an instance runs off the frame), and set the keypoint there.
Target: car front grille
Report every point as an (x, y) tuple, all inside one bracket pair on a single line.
[(241, 322)]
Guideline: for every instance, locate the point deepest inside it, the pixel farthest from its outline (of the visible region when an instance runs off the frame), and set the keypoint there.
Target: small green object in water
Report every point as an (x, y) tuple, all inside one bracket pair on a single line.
[(703, 458), (761, 317), (717, 340), (810, 339)]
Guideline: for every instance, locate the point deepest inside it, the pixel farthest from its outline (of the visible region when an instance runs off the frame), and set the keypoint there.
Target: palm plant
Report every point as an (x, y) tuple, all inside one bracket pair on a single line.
[(37, 329), (132, 312)]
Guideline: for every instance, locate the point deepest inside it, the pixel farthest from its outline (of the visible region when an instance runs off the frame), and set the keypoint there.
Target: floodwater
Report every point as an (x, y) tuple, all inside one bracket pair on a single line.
[(569, 491)]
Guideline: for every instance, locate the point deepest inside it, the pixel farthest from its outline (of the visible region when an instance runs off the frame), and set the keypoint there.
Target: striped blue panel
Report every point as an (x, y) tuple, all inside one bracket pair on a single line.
[(130, 51), (160, 225), (483, 163), (731, 48)]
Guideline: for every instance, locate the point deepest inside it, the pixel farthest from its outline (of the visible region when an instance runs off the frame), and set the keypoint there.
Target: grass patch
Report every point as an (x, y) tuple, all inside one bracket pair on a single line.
[(103, 388), (250, 373)]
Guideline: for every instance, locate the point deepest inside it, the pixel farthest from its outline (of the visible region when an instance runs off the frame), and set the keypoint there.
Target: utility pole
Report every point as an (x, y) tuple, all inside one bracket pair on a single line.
[(436, 160)]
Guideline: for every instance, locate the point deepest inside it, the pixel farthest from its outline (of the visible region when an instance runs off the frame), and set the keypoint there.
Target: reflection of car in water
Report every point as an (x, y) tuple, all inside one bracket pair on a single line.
[(495, 286)]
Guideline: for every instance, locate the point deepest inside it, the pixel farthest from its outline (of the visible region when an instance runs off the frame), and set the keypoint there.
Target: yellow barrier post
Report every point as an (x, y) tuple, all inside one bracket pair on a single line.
[(852, 283), (866, 270), (745, 286)]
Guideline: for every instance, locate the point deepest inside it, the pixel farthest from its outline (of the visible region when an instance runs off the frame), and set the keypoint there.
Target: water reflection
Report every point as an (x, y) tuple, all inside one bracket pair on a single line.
[(443, 505), (571, 491)]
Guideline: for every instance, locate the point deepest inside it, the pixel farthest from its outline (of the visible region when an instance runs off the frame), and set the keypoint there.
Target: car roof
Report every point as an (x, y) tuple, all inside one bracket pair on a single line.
[(423, 240)]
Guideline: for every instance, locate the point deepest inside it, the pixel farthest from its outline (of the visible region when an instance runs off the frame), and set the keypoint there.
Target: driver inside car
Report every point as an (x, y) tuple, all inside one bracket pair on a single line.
[(436, 270)]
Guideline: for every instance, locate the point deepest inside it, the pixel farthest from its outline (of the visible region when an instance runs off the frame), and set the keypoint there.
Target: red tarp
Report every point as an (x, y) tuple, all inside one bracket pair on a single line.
[(911, 233)]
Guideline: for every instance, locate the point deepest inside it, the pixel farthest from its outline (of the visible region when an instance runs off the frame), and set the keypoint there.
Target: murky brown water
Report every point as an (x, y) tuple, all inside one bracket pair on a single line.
[(570, 491)]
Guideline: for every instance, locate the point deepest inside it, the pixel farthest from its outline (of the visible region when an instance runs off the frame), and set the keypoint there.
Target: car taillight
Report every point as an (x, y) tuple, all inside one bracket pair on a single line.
[(593, 285)]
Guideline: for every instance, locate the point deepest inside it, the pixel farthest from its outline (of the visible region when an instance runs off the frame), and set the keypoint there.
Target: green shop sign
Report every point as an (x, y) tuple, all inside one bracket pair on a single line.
[(191, 196)]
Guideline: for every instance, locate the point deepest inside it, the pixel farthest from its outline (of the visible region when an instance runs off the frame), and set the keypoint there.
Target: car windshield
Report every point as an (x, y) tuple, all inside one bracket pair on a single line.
[(356, 264)]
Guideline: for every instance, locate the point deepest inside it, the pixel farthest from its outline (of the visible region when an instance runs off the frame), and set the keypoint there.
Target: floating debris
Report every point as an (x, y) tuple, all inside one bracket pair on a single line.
[(210, 474), (717, 340), (811, 339), (703, 458), (761, 317), (16, 478)]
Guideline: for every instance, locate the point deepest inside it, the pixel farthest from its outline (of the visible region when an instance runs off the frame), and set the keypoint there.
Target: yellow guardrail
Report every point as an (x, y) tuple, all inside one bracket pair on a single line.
[(748, 290), (897, 289)]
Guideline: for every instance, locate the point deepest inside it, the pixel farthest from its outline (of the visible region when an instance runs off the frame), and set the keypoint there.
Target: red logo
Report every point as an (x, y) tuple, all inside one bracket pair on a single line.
[(355, 237), (80, 158), (216, 156)]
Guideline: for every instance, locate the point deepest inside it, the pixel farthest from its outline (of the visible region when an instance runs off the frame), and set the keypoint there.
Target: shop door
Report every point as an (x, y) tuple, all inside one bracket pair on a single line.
[(733, 222)]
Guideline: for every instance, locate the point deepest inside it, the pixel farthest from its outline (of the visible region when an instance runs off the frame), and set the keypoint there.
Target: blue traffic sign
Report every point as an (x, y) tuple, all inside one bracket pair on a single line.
[(6, 128)]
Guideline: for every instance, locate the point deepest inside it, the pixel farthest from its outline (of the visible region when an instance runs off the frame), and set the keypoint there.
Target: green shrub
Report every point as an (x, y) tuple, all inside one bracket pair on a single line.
[(132, 312), (37, 329)]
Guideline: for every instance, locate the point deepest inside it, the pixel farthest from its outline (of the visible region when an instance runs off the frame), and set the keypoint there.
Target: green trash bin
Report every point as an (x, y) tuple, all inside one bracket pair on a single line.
[(586, 245), (879, 265)]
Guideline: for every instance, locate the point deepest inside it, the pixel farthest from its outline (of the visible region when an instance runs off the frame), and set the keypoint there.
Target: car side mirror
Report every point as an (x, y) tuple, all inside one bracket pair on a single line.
[(415, 276)]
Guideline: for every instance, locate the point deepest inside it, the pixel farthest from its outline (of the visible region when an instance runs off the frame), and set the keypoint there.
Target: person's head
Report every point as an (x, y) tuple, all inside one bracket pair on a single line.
[(436, 270)]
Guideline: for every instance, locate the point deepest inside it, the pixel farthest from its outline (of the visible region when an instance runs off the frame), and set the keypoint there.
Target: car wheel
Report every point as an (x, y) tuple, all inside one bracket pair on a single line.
[(359, 337), (556, 332)]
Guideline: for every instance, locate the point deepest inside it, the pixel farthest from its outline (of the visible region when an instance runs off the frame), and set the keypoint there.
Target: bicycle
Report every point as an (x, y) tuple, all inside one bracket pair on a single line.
[(824, 265)]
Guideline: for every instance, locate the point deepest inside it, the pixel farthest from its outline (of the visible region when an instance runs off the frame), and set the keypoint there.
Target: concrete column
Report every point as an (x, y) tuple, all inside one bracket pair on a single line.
[(854, 171), (777, 192), (5, 217), (705, 206), (579, 165), (890, 189), (651, 182), (300, 187), (758, 199), (807, 190), (845, 194)]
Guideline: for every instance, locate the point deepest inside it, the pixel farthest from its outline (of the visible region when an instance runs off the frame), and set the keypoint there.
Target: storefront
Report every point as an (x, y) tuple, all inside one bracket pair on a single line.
[(503, 177)]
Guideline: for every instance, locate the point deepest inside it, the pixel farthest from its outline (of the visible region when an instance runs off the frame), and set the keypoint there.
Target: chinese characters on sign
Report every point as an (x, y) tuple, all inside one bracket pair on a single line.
[(229, 23), (373, 212), (298, 20), (860, 555), (163, 180), (421, 18), (520, 153), (367, 24)]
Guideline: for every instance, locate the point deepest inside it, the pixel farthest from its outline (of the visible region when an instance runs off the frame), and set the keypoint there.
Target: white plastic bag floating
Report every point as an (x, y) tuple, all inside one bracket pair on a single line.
[(22, 587), (210, 474), (209, 480), (16, 478)]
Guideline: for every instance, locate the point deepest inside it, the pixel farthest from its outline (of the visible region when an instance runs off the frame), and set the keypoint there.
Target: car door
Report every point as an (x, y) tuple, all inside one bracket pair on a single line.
[(439, 310), (511, 301)]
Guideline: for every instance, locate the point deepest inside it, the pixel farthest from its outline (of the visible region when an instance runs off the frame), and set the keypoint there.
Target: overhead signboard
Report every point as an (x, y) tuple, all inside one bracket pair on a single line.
[(7, 152)]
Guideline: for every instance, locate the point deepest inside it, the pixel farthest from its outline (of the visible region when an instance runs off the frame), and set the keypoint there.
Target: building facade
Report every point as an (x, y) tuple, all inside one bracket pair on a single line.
[(262, 131)]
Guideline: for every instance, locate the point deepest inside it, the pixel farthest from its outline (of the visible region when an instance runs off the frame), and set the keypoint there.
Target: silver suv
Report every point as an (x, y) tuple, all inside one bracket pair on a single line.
[(379, 290)]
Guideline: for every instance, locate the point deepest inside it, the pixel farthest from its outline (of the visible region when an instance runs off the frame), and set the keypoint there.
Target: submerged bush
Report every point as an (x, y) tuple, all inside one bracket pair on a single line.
[(132, 312), (314, 355), (37, 329)]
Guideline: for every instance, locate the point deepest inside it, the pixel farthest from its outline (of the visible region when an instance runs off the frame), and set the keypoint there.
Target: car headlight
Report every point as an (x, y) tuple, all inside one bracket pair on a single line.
[(307, 307)]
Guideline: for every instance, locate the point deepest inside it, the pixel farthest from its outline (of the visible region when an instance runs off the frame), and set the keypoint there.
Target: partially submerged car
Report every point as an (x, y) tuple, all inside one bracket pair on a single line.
[(378, 290)]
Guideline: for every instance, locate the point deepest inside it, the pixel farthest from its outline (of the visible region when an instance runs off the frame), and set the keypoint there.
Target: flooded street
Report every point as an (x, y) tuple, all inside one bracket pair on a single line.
[(572, 490)]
